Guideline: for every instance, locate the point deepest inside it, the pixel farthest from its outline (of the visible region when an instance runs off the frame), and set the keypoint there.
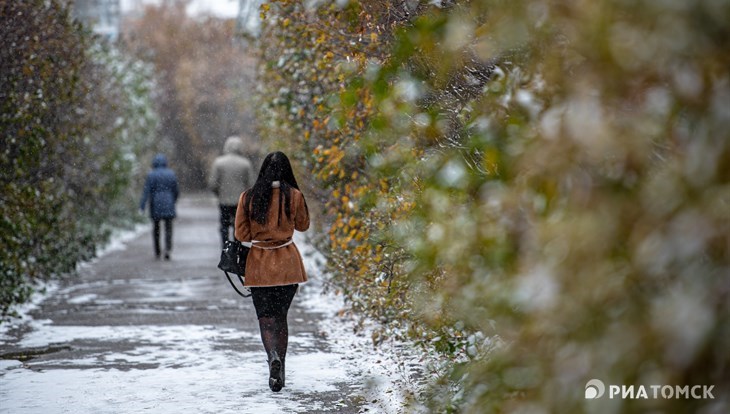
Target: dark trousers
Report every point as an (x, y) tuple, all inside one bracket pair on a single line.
[(228, 219), (156, 236)]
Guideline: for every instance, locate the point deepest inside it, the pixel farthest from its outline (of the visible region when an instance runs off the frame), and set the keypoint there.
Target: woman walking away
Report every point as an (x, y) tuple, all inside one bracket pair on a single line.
[(160, 189), (267, 215)]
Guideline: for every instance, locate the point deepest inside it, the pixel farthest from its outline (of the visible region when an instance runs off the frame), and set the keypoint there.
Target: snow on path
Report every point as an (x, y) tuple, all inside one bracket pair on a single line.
[(194, 368)]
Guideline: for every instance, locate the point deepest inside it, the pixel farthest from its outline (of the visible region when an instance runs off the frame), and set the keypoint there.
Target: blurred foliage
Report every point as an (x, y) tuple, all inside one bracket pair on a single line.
[(204, 78), (75, 118), (537, 190)]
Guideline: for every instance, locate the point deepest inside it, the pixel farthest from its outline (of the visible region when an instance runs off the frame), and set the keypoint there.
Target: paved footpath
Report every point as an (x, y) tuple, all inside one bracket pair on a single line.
[(132, 334)]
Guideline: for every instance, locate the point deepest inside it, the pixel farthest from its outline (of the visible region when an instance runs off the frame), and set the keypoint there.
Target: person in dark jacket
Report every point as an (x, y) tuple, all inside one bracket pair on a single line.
[(161, 190)]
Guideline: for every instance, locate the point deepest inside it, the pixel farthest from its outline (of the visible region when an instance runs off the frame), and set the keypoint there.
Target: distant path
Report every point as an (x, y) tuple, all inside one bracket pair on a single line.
[(133, 334)]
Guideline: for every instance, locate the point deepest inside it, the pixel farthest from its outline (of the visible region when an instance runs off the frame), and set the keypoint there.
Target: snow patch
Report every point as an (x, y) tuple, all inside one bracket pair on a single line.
[(172, 369)]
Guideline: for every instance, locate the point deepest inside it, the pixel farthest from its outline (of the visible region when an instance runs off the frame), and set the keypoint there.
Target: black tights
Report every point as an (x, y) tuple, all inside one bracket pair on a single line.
[(272, 305), (275, 334)]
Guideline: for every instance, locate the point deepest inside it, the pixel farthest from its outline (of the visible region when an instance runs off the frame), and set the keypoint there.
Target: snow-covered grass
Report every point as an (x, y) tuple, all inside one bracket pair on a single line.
[(391, 370), (118, 241), (41, 291)]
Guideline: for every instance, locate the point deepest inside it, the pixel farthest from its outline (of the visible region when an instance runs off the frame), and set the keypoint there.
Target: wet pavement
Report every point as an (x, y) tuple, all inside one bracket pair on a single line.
[(134, 334)]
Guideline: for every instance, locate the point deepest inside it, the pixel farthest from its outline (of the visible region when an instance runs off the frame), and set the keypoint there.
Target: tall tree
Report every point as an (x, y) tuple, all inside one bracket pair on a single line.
[(204, 80)]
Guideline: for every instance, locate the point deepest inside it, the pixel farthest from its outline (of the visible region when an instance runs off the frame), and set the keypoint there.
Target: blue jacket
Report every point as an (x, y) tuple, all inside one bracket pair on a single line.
[(160, 189)]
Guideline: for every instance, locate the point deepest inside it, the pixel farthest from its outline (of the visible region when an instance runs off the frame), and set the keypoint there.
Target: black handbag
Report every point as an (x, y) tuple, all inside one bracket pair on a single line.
[(233, 260)]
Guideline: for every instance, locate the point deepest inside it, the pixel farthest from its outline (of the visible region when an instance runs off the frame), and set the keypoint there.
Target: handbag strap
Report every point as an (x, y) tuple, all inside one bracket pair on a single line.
[(234, 285)]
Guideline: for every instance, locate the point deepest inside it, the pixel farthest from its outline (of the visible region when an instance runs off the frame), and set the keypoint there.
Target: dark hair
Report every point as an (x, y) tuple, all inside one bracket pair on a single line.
[(276, 167)]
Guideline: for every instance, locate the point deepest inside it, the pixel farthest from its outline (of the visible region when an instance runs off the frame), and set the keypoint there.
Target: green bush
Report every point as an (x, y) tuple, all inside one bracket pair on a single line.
[(72, 121), (536, 190)]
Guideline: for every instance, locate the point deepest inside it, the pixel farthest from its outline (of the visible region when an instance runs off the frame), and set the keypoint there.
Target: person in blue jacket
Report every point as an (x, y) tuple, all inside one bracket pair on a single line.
[(161, 190)]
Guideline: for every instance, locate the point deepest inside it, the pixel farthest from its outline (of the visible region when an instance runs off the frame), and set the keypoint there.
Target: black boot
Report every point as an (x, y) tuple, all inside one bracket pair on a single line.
[(283, 372), (275, 369)]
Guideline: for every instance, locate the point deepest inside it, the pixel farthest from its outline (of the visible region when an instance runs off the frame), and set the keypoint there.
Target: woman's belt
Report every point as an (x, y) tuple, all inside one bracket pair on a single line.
[(271, 244)]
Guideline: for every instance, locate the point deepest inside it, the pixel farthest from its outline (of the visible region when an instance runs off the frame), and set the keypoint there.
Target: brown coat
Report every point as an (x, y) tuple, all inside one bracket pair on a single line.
[(274, 267)]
